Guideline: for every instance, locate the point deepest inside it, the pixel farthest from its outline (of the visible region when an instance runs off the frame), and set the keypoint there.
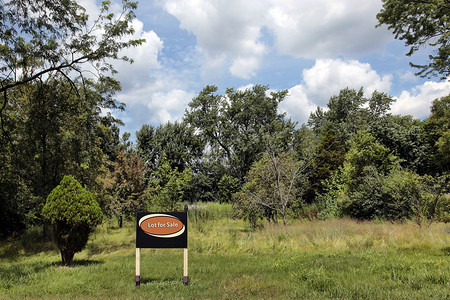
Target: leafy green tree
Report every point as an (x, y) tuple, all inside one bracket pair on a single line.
[(437, 135), (305, 142), (228, 185), (343, 114), (49, 132), (403, 193), (330, 156), (443, 145), (349, 112), (364, 196), (236, 125), (406, 137), (356, 188), (271, 187), (177, 142), (205, 184), (435, 205), (421, 24), (40, 37), (74, 213), (246, 208), (16, 199), (366, 151), (167, 187), (390, 196), (16, 194), (108, 135)]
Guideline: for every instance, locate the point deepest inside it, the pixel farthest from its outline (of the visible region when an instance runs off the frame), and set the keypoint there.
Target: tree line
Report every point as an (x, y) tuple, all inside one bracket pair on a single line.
[(352, 159)]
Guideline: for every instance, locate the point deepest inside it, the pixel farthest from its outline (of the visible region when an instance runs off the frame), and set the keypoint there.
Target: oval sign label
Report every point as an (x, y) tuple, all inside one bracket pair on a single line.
[(162, 225)]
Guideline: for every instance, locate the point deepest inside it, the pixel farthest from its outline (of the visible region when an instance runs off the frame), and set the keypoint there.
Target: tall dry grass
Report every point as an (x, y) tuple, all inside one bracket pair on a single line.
[(234, 236)]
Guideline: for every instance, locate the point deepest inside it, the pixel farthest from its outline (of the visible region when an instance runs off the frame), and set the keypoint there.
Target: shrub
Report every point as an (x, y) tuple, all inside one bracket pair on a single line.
[(73, 213), (365, 198), (403, 194)]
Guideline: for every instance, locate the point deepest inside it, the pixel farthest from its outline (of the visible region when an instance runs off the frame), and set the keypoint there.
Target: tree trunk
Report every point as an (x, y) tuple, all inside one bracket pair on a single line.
[(275, 217), (284, 217), (67, 257)]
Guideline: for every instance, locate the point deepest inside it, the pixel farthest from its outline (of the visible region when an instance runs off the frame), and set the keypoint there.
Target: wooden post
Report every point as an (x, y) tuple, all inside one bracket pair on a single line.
[(185, 260), (138, 257), (138, 267), (185, 268)]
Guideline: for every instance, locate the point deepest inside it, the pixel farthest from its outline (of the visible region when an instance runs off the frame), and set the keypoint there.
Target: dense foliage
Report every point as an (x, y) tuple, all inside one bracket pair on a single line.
[(73, 213), (271, 187)]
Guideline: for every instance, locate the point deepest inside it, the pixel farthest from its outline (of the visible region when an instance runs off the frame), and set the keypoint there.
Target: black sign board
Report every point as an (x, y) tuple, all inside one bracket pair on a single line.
[(161, 230)]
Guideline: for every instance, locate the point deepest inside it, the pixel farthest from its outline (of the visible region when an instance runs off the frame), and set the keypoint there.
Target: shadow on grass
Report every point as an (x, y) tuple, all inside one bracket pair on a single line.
[(97, 248), (84, 262), (19, 273), (14, 249), (161, 280), (31, 242), (13, 274)]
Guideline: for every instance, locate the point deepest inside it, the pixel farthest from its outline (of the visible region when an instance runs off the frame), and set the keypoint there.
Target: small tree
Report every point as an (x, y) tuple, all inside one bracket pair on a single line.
[(73, 213), (128, 187), (228, 185), (435, 205), (271, 186), (168, 186)]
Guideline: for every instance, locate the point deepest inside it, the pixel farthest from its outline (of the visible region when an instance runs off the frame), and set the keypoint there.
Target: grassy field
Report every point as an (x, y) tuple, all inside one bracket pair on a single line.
[(337, 259)]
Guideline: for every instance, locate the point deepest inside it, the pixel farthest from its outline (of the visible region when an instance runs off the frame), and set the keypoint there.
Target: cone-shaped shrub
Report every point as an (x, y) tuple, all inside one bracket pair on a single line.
[(73, 213)]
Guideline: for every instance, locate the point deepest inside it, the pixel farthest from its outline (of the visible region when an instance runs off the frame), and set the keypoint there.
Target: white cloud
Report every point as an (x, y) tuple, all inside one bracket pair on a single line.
[(91, 7), (244, 67), (145, 59), (169, 105), (297, 104), (158, 102), (229, 33), (417, 102), (213, 65), (145, 56), (229, 38), (408, 76), (323, 28), (325, 79), (328, 76)]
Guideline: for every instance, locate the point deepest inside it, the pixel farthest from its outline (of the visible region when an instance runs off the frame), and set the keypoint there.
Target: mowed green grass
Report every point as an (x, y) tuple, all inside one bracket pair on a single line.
[(337, 259)]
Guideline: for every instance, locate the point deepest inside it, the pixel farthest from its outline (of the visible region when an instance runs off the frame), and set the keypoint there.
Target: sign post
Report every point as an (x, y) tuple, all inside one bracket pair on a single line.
[(162, 230), (185, 267), (138, 266)]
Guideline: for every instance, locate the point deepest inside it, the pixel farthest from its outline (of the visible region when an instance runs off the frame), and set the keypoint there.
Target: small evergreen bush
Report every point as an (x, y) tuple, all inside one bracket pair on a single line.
[(73, 213)]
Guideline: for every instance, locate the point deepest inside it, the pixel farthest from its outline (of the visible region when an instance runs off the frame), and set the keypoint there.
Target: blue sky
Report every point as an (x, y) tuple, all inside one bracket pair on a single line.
[(311, 48)]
